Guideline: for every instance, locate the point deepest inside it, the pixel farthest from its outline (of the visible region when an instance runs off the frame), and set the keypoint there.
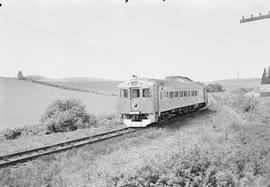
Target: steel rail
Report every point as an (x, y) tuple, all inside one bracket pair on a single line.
[(58, 144), (51, 149)]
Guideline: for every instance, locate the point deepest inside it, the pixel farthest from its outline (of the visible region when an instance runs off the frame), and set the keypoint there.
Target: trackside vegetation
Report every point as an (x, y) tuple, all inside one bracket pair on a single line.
[(227, 145), (214, 88)]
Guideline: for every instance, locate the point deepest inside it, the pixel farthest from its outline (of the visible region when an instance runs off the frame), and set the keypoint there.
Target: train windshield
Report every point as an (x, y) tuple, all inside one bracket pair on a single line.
[(135, 93), (146, 92)]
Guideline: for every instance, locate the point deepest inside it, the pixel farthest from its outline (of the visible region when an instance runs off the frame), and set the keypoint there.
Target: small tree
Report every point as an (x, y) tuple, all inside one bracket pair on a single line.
[(20, 75), (210, 88), (243, 90), (268, 77), (264, 77), (214, 88), (218, 88)]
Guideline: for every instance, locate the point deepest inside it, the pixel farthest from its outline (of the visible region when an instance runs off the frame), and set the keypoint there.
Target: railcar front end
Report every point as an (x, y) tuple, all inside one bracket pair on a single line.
[(137, 102)]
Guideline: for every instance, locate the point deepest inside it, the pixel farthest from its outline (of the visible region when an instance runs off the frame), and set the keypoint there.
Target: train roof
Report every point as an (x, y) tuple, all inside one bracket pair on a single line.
[(168, 81)]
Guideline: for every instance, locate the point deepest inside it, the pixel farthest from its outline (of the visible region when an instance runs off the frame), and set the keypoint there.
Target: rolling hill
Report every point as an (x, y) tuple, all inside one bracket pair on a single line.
[(79, 79), (106, 87), (23, 102), (35, 77), (232, 84), (91, 84)]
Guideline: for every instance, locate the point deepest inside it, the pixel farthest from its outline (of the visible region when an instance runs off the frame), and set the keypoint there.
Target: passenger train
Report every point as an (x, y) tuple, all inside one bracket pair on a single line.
[(144, 101)]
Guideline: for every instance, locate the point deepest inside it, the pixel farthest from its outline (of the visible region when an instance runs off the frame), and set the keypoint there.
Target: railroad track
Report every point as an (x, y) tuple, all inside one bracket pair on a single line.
[(24, 156)]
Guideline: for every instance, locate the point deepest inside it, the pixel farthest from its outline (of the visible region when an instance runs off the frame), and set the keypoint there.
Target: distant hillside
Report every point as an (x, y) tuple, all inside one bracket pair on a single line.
[(66, 79), (107, 87), (91, 84), (35, 77), (79, 79), (232, 84)]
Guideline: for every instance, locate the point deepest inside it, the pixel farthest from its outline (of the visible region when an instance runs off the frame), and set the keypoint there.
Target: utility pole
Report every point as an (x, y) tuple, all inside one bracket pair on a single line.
[(254, 18)]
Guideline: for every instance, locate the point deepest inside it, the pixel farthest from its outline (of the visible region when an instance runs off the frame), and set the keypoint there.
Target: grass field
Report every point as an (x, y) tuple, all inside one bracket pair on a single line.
[(227, 145), (22, 102)]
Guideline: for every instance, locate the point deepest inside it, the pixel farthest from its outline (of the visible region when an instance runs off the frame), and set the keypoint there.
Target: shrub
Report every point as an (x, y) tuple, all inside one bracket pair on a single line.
[(214, 88), (245, 103), (66, 115), (11, 134), (34, 130)]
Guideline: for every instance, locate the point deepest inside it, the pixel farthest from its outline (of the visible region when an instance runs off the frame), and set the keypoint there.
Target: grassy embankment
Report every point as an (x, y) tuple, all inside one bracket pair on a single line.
[(228, 145), (63, 120), (34, 140)]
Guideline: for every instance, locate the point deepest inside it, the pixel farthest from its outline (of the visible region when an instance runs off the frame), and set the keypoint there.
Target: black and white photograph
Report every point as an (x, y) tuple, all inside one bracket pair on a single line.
[(134, 93)]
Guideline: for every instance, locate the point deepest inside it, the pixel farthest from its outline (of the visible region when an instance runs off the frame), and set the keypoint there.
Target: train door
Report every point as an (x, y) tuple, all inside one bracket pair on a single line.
[(205, 95), (156, 98), (135, 99)]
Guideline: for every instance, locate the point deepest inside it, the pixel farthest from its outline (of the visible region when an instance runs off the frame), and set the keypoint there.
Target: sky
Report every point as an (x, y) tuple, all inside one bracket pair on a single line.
[(111, 39)]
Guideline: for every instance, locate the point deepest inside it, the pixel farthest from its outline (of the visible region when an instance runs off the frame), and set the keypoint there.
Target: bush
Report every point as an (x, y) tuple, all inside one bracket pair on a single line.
[(66, 115), (214, 88), (245, 103), (34, 130), (11, 134)]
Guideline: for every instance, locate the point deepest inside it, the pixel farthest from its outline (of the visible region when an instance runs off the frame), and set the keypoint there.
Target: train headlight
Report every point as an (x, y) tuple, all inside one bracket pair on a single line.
[(135, 105)]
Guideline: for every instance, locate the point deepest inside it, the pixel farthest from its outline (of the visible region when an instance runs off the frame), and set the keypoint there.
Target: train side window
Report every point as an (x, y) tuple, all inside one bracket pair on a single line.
[(176, 94), (160, 95), (185, 93), (171, 94), (146, 92), (165, 94), (192, 93), (181, 94), (135, 93), (188, 93)]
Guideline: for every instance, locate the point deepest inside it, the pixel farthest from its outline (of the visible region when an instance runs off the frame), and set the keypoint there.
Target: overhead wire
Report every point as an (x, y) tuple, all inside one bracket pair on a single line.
[(40, 32)]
